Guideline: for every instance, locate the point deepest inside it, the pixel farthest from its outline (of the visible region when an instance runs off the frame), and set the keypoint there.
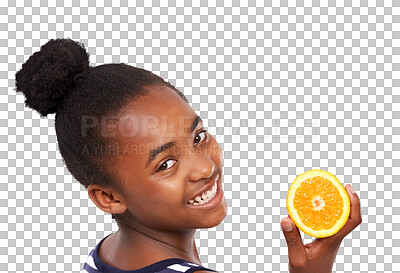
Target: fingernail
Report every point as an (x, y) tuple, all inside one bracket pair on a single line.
[(286, 226), (351, 189)]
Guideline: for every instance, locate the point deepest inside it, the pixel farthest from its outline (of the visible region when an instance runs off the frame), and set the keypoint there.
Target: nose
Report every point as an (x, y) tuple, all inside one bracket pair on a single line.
[(201, 167)]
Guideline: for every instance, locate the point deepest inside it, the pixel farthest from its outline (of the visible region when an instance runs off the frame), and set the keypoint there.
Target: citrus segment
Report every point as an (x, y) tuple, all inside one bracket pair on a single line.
[(318, 204)]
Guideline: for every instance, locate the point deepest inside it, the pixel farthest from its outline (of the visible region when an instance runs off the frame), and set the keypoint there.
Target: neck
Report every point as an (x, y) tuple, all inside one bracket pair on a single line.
[(153, 244)]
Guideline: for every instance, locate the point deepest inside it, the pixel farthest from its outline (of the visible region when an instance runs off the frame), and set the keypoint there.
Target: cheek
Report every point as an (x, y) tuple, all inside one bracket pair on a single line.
[(155, 205), (157, 195)]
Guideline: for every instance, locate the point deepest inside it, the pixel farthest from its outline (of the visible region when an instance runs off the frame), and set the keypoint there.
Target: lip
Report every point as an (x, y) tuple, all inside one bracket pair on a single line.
[(209, 187), (213, 202)]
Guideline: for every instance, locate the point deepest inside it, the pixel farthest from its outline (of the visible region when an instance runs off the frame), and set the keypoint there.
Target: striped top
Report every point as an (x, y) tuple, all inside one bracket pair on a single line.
[(95, 265)]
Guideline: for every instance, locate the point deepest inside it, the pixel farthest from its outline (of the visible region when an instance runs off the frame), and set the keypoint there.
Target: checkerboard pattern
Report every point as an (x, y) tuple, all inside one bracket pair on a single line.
[(285, 86)]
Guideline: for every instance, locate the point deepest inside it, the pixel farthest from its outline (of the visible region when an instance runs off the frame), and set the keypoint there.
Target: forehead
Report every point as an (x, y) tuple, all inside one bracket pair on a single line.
[(159, 101), (153, 119)]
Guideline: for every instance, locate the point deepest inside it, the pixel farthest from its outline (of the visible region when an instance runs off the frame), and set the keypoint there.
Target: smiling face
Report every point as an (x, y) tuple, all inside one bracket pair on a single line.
[(166, 160)]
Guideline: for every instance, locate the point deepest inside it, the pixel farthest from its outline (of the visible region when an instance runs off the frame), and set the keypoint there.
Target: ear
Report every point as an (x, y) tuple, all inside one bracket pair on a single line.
[(106, 199)]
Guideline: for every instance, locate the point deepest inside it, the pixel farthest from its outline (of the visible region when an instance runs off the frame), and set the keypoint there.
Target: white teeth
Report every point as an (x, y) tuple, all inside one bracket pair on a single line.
[(205, 197)]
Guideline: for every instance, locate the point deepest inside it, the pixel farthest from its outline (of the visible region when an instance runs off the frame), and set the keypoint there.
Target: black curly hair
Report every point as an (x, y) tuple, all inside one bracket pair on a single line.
[(58, 79)]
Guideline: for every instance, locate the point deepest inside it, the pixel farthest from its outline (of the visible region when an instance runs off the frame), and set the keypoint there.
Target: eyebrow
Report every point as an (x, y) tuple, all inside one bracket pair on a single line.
[(153, 153)]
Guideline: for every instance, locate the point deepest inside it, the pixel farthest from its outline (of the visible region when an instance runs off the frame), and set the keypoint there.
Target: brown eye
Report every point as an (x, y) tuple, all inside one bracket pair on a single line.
[(167, 164), (200, 137)]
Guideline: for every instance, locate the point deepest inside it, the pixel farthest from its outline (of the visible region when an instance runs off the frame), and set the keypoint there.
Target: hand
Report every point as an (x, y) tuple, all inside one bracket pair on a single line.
[(319, 256)]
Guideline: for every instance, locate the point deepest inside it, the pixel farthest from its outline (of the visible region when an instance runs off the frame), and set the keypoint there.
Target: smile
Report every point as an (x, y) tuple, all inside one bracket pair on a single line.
[(208, 199)]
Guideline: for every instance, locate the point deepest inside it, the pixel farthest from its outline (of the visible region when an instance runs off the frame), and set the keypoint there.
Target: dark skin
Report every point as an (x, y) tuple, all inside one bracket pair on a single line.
[(154, 221), (150, 203), (319, 256)]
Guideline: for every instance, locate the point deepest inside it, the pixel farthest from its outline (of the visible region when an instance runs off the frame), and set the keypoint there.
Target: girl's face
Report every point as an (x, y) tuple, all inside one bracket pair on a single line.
[(165, 159)]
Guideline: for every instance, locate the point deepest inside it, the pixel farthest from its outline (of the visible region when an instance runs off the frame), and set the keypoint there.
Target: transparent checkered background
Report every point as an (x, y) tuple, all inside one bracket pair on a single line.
[(285, 86)]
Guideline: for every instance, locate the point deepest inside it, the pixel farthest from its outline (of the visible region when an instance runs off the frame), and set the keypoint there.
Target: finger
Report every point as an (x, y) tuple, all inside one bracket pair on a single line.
[(295, 245), (355, 217)]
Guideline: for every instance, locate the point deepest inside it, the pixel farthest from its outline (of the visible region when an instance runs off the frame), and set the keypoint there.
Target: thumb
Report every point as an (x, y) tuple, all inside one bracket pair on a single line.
[(295, 245)]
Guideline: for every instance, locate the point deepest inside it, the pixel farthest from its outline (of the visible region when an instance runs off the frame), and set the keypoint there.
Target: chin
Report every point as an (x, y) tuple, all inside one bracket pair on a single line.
[(217, 218)]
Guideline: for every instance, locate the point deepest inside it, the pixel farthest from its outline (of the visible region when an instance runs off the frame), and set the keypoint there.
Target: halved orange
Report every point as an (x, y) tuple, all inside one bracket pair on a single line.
[(318, 204)]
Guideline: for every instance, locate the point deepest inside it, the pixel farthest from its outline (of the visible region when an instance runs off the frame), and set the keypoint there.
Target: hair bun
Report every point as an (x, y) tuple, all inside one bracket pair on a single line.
[(47, 76)]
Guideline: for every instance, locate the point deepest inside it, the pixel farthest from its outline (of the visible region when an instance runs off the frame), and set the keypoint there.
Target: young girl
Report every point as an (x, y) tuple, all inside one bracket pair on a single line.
[(135, 143)]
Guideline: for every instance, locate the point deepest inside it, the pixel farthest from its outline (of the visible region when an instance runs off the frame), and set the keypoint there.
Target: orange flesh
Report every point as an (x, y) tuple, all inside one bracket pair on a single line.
[(318, 203)]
